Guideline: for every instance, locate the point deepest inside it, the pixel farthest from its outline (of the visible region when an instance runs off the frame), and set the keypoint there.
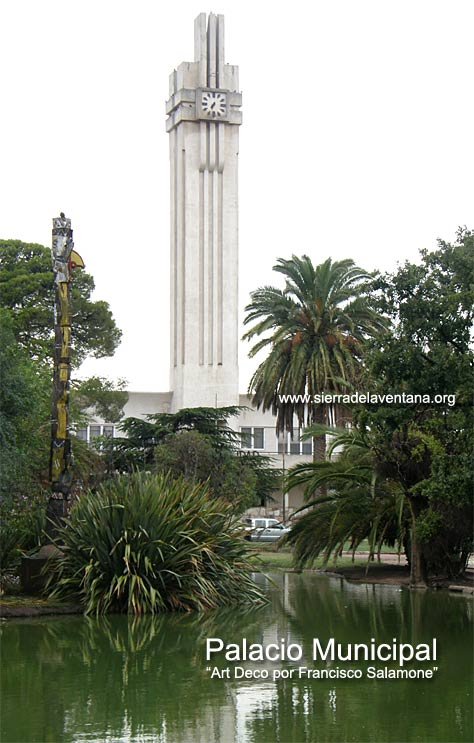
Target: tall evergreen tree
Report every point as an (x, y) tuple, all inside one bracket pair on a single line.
[(27, 292)]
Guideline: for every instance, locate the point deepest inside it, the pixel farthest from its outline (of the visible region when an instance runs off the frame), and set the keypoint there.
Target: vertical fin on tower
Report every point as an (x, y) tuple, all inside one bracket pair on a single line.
[(220, 52), (212, 51), (200, 47)]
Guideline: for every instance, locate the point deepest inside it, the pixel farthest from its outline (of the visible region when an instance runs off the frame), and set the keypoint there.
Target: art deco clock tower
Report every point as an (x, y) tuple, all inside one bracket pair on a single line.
[(203, 125)]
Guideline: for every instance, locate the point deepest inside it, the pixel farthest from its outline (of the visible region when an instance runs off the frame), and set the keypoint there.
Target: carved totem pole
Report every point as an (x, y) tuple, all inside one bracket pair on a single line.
[(65, 259)]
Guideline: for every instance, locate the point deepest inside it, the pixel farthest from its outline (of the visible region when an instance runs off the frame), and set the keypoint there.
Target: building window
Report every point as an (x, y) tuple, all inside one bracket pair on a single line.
[(258, 438), (245, 438), (89, 433), (252, 438), (294, 446), (307, 448), (282, 443), (288, 445)]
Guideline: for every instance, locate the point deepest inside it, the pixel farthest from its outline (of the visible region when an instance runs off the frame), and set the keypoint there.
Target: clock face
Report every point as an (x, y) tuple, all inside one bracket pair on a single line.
[(213, 104)]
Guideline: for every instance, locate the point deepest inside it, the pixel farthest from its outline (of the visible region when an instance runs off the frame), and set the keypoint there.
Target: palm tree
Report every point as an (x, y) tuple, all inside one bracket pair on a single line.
[(372, 491), (315, 329), (358, 502)]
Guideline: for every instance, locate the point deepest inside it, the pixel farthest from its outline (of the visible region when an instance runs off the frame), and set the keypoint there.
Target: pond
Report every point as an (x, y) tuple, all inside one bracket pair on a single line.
[(116, 678)]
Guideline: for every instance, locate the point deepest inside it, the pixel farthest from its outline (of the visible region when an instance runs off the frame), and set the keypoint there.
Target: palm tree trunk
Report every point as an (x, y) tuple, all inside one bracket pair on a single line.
[(319, 442), (342, 415)]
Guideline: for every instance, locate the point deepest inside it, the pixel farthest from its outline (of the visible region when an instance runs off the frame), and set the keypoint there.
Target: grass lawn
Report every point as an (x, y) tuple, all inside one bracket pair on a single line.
[(267, 556), (364, 547)]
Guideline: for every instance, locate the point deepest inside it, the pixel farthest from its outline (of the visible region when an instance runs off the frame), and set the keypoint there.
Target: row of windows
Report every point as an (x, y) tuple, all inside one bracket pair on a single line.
[(287, 445), (253, 437), (94, 431)]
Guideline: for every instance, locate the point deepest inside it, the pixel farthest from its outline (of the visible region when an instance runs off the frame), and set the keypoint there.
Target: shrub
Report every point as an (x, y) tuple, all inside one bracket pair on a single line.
[(22, 520), (148, 543), (195, 457)]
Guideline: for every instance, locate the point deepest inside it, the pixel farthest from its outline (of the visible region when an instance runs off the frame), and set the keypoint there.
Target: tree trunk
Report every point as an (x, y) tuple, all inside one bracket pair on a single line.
[(56, 512), (342, 415), (417, 563), (319, 444)]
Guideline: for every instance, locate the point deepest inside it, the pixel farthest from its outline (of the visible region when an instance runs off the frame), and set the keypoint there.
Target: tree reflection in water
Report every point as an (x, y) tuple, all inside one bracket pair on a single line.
[(144, 679)]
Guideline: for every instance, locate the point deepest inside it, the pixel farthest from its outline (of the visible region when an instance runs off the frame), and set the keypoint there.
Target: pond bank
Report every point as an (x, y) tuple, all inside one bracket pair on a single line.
[(390, 574), (389, 571), (34, 606)]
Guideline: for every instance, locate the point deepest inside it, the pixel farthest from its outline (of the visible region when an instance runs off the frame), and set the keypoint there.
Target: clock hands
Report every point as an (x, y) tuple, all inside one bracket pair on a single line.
[(213, 104)]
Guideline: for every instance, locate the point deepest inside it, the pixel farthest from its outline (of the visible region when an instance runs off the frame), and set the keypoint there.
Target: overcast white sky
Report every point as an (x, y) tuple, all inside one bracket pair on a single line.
[(357, 140)]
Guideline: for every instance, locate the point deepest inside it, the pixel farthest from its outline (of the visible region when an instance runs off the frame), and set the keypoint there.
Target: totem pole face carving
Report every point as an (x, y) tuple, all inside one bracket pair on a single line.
[(61, 248)]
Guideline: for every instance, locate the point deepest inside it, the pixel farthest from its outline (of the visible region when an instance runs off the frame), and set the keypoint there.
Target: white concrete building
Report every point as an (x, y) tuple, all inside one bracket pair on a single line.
[(203, 119)]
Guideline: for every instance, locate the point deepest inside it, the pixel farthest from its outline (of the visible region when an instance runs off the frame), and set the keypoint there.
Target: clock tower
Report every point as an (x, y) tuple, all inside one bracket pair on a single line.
[(203, 125)]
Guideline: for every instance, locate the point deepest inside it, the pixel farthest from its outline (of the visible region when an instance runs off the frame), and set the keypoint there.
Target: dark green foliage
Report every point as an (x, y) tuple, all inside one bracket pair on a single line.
[(137, 448), (193, 455), (24, 447), (429, 349), (143, 435), (188, 454), (434, 298), (22, 520), (199, 444), (26, 344), (149, 544), (101, 398), (444, 526), (421, 450), (212, 422), (428, 446), (27, 291), (24, 415), (268, 477)]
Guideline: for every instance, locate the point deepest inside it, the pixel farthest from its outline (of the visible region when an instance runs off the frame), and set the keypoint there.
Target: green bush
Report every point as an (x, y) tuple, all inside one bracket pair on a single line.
[(149, 544), (22, 520)]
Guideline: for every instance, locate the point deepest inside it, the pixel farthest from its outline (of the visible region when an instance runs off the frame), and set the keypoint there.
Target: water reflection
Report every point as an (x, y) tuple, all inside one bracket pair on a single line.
[(123, 679)]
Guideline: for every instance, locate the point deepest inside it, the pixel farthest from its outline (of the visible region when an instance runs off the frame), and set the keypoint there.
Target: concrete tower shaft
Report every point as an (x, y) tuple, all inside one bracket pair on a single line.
[(203, 124)]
